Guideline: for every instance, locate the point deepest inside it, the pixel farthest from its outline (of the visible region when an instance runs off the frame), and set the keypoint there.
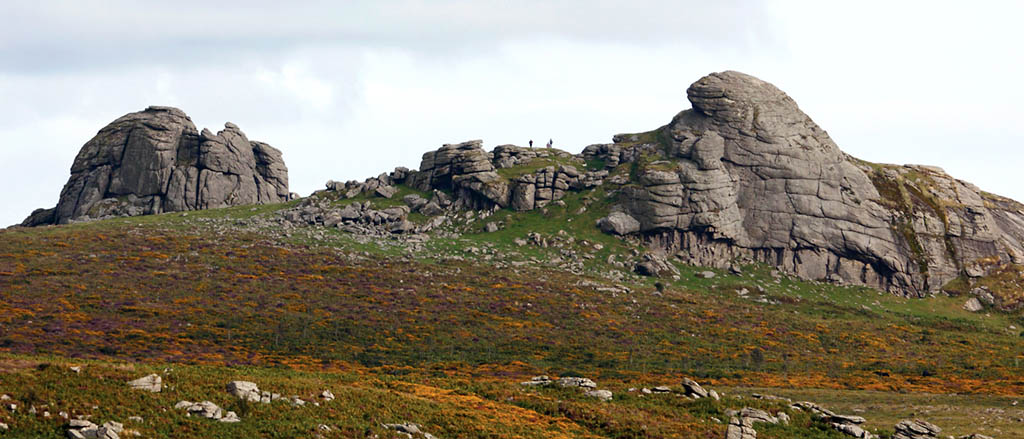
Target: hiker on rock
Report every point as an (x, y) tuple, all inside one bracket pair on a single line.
[(531, 143), (550, 142)]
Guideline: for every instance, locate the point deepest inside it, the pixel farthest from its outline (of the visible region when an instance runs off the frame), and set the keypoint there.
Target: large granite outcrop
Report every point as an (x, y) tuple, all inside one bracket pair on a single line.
[(156, 161), (745, 175)]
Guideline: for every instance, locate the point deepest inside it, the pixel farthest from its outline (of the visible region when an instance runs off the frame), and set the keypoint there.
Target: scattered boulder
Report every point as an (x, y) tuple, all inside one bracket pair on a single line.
[(83, 429), (584, 383), (414, 201), (983, 294), (431, 209), (619, 223), (542, 380), (327, 395), (973, 305), (694, 390), (246, 390), (151, 383), (846, 424), (267, 397), (853, 430), (603, 395), (409, 429), (208, 410), (655, 265), (205, 409), (738, 430), (750, 416), (386, 191), (915, 429)]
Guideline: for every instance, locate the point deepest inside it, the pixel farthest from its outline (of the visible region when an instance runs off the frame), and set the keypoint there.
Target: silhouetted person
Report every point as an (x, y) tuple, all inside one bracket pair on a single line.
[(550, 142), (531, 143)]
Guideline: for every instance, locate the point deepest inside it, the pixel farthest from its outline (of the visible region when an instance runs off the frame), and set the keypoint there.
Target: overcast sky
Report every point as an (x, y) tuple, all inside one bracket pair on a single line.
[(350, 89)]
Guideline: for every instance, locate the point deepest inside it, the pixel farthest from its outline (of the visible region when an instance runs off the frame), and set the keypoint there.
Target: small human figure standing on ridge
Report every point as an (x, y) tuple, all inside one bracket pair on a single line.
[(550, 142), (531, 143)]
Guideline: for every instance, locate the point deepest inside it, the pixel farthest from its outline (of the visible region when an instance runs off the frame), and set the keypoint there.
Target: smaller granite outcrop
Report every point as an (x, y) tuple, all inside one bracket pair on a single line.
[(464, 169), (471, 177), (155, 161)]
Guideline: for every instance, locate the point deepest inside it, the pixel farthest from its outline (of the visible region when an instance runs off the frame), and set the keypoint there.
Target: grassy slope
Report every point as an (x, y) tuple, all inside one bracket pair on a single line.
[(220, 300)]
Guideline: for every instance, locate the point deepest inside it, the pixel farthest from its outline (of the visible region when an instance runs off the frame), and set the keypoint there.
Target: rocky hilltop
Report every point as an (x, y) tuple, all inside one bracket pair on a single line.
[(155, 161), (745, 176)]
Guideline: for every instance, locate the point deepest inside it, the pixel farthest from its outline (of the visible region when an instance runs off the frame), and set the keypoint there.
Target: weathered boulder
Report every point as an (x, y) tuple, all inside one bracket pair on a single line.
[(973, 305), (409, 429), (208, 410), (656, 265), (737, 430), (915, 429), (151, 383), (846, 424), (619, 223), (693, 389), (246, 390), (155, 161), (541, 380), (585, 383)]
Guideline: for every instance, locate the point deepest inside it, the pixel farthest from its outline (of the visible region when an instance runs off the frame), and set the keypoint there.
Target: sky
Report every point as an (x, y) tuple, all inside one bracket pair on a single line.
[(350, 89)]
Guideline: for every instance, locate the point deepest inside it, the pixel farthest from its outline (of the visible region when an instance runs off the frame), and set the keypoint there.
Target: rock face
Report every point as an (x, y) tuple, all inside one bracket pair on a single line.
[(155, 161), (745, 176)]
